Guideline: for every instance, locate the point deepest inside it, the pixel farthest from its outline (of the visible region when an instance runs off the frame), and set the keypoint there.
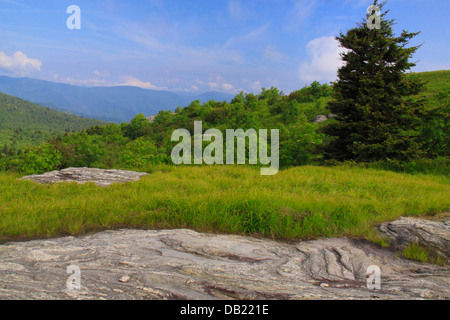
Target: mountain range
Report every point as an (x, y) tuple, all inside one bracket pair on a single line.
[(115, 104)]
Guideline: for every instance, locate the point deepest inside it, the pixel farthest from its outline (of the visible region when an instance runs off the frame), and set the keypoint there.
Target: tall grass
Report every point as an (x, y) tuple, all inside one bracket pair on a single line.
[(298, 203)]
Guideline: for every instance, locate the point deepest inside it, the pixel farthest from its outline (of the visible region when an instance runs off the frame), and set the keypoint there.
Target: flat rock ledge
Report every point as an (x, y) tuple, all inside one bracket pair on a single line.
[(183, 264), (100, 177)]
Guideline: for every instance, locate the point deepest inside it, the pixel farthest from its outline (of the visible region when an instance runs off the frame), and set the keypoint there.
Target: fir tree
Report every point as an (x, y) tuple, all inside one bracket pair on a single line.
[(376, 116)]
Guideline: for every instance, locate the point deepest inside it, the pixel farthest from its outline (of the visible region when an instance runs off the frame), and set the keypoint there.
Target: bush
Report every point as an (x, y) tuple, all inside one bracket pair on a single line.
[(298, 144), (137, 128), (80, 150), (142, 152), (39, 160)]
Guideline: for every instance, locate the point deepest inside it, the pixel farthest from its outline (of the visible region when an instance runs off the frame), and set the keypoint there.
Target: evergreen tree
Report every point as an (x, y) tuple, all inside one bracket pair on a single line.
[(376, 116)]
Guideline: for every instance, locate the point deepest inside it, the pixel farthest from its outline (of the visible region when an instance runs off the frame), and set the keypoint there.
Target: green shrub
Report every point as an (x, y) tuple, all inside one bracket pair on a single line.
[(39, 160), (140, 153)]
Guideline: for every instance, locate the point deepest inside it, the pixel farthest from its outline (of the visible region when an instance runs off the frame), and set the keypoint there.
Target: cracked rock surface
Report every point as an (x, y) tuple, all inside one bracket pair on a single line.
[(83, 175), (183, 264)]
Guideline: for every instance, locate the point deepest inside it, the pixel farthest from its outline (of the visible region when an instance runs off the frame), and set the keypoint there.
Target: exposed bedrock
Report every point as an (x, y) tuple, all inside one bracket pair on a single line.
[(183, 264)]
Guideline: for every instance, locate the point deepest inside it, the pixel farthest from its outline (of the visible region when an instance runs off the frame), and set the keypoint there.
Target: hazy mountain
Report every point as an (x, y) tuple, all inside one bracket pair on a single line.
[(106, 103)]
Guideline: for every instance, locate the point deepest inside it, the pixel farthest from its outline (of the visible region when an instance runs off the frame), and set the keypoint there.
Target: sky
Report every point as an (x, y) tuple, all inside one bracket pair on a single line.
[(194, 46)]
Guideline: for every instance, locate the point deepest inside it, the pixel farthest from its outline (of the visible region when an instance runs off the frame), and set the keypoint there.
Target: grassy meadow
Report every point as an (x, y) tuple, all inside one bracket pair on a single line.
[(303, 201), (296, 204)]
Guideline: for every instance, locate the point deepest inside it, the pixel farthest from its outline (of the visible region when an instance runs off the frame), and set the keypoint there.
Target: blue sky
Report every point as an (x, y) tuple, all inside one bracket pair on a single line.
[(193, 46)]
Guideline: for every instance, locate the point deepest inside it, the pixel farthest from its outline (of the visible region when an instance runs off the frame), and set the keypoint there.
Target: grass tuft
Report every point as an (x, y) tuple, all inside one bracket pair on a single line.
[(416, 252)]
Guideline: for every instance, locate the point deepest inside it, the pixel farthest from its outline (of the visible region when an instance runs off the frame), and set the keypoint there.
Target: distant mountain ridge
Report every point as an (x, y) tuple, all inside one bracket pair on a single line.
[(114, 104)]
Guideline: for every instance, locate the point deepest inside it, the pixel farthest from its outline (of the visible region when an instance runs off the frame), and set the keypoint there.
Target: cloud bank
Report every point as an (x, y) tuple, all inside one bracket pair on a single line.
[(19, 63)]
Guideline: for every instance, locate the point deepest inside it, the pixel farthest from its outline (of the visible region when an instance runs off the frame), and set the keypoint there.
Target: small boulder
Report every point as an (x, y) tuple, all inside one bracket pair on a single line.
[(320, 118), (100, 177)]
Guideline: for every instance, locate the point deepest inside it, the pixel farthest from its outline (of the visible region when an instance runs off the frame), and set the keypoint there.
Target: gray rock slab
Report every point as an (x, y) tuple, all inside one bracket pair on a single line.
[(83, 175), (183, 264)]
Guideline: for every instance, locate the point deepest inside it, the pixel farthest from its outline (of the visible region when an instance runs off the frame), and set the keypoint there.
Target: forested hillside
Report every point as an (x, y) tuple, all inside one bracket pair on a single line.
[(24, 124)]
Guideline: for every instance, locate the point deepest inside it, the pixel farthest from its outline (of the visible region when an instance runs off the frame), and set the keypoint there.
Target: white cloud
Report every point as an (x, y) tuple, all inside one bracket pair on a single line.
[(135, 82), (213, 85), (324, 60), (100, 73), (90, 82), (191, 89), (19, 63), (227, 87), (200, 82)]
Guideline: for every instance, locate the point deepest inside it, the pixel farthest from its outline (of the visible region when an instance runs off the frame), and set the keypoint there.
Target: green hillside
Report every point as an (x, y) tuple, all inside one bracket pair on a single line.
[(438, 80), (24, 124), (437, 87), (436, 93)]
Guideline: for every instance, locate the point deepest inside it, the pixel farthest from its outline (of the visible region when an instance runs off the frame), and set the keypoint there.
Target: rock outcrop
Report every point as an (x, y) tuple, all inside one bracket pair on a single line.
[(322, 118), (433, 235), (151, 119), (183, 264), (83, 175)]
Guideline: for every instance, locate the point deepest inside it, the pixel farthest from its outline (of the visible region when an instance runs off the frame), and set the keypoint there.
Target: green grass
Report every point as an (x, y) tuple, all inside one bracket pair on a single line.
[(416, 252), (436, 80), (437, 87), (299, 203)]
